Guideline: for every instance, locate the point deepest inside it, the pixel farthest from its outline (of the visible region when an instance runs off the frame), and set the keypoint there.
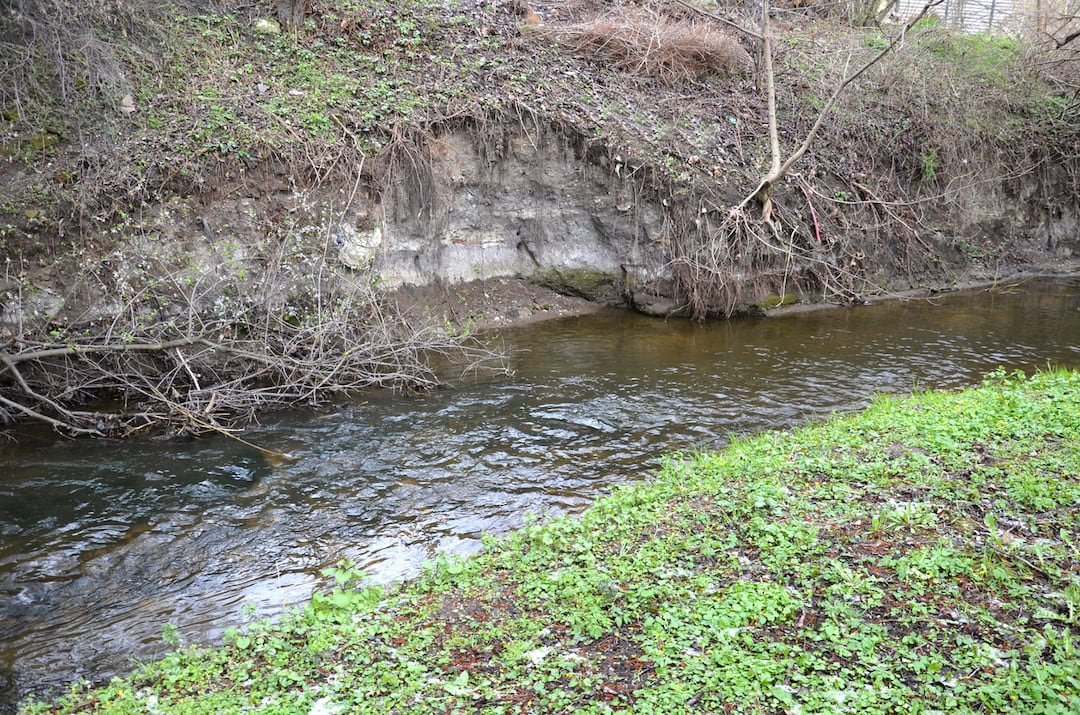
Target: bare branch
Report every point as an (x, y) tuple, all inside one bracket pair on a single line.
[(57, 424), (213, 370), (11, 360), (721, 19), (761, 192)]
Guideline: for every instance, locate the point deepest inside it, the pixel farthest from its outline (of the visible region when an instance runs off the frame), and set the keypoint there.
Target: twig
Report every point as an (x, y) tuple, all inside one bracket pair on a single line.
[(813, 214), (183, 362), (719, 18), (103, 348), (220, 430), (60, 409), (46, 419), (349, 340)]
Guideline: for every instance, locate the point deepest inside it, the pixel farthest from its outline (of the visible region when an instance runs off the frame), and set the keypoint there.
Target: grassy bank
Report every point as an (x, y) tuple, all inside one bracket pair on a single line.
[(923, 556), (204, 98)]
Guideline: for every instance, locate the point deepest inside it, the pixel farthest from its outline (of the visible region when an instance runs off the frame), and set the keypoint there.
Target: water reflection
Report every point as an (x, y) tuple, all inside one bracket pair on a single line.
[(102, 543)]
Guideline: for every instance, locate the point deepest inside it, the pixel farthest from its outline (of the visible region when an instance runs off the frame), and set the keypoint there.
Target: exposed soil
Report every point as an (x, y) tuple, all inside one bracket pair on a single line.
[(494, 303), (233, 168)]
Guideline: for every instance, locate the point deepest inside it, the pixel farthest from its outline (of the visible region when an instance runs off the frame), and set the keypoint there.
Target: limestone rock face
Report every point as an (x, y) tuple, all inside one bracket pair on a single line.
[(41, 303), (358, 249), (532, 209)]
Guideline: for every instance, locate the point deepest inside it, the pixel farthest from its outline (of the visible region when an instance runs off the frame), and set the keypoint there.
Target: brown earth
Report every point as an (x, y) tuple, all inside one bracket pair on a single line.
[(492, 304), (235, 174)]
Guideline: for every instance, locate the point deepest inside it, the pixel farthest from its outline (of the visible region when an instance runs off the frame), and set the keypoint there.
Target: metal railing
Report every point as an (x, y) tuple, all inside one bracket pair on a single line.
[(989, 16)]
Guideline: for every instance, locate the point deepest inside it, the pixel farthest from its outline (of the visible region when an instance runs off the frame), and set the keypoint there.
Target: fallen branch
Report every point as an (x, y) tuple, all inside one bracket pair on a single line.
[(217, 367), (222, 431), (57, 424), (12, 359)]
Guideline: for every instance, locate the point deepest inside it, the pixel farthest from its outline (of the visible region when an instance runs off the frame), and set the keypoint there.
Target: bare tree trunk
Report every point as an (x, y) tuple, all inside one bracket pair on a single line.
[(291, 12), (770, 95), (778, 167)]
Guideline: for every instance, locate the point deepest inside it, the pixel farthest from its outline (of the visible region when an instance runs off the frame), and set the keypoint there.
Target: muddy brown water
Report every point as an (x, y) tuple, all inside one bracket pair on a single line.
[(102, 543)]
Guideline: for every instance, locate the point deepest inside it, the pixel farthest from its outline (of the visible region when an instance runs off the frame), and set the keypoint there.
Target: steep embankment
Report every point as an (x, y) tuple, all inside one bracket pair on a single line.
[(230, 172)]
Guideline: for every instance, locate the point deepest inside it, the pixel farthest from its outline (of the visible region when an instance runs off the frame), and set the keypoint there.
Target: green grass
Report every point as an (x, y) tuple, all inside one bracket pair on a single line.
[(982, 58), (923, 556)]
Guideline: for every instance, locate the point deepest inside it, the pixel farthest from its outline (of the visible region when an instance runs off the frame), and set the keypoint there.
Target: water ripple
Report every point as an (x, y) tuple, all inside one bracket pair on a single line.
[(102, 543)]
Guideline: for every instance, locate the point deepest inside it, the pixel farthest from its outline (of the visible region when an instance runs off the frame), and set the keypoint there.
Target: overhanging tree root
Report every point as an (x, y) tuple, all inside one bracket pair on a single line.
[(714, 263)]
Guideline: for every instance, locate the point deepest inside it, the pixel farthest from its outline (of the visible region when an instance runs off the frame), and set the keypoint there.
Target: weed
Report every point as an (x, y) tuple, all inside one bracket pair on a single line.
[(982, 57), (930, 164), (876, 42)]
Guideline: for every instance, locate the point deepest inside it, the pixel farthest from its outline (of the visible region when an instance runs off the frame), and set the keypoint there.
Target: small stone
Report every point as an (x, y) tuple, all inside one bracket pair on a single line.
[(267, 26), (537, 655), (325, 706)]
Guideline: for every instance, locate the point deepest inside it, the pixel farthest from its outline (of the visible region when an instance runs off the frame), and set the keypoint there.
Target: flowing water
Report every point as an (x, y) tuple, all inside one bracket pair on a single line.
[(102, 543)]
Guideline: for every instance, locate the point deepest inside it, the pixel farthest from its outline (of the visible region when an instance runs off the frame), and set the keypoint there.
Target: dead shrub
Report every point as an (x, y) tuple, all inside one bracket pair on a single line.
[(60, 49), (656, 46)]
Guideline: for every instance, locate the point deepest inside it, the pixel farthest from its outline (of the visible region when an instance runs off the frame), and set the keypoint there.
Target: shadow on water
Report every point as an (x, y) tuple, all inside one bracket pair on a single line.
[(103, 543)]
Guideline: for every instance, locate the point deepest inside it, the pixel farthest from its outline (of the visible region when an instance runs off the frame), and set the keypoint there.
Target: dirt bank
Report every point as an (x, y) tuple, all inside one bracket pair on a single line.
[(498, 164), (492, 304)]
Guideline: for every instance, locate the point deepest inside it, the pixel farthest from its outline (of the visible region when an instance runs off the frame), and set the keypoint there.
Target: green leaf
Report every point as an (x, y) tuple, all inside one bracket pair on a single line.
[(783, 696), (459, 685)]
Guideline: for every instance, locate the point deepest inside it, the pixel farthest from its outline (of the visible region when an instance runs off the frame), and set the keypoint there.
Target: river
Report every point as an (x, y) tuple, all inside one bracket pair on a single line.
[(101, 543)]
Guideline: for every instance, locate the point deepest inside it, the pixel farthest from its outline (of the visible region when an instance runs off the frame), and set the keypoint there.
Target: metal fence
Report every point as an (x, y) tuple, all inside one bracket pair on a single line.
[(990, 16)]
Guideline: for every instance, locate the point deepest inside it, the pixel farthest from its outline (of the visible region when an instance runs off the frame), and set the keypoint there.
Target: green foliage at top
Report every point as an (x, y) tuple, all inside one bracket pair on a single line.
[(983, 58), (923, 556), (349, 73), (223, 97)]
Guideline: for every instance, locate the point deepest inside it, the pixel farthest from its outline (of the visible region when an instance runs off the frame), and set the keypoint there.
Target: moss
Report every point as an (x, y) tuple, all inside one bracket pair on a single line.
[(10, 150), (44, 140), (591, 284), (776, 301)]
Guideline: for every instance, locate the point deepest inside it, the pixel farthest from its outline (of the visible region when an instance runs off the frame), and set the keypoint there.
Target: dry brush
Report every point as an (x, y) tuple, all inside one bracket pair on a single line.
[(202, 355)]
